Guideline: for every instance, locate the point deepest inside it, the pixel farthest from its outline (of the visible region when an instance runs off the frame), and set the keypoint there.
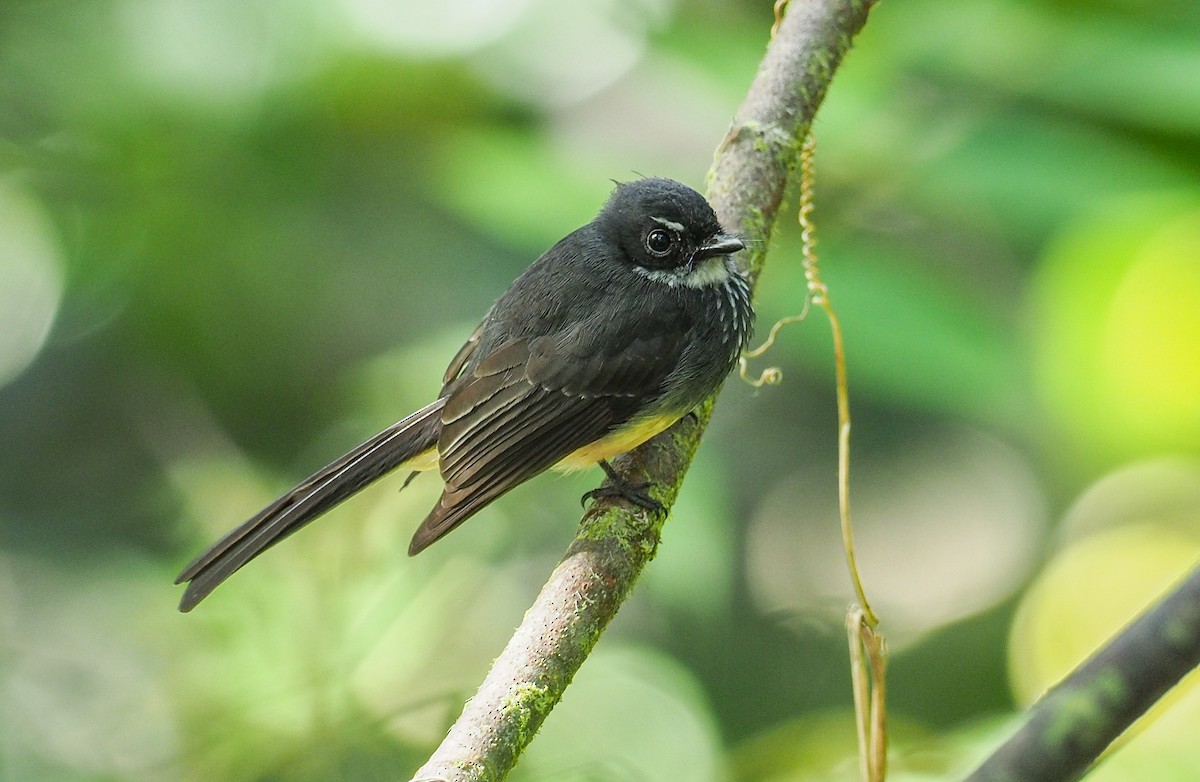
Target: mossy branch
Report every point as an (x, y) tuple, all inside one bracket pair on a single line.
[(746, 187), (1068, 729)]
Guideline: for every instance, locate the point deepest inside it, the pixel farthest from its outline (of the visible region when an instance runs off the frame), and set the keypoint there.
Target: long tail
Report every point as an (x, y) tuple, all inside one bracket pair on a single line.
[(399, 443)]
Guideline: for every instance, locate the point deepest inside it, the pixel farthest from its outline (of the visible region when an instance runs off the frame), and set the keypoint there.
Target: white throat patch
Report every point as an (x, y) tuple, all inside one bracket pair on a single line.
[(709, 272)]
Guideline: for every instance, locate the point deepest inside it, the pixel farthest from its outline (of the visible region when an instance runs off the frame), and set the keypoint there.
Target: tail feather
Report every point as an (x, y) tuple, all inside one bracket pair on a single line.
[(319, 493)]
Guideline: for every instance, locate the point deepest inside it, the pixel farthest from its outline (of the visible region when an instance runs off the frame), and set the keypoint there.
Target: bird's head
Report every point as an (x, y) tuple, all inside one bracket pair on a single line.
[(667, 232)]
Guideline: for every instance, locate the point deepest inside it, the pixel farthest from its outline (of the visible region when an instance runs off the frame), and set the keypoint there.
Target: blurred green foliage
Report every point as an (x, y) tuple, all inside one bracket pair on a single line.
[(237, 237)]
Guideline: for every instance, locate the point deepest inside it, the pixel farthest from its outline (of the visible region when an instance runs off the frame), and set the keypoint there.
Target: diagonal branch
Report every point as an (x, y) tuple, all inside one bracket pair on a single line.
[(1077, 720), (746, 186)]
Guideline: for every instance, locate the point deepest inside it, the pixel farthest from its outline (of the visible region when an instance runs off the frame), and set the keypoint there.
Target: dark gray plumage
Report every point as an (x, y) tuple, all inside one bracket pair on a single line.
[(613, 334)]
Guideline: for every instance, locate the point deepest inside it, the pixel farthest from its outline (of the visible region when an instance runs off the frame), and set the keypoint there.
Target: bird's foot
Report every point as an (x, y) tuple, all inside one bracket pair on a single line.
[(619, 487)]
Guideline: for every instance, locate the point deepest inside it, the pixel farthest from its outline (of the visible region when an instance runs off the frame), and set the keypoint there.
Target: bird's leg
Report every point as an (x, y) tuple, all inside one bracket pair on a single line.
[(619, 487)]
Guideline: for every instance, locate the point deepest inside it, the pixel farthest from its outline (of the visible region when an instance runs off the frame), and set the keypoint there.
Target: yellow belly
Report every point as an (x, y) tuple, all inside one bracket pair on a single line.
[(426, 460), (618, 442)]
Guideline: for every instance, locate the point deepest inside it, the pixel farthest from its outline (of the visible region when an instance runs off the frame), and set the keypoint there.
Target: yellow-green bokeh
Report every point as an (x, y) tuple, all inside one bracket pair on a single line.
[(1115, 328)]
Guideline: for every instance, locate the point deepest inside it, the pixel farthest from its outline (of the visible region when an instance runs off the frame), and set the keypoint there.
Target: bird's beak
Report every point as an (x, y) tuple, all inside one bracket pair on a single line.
[(718, 244)]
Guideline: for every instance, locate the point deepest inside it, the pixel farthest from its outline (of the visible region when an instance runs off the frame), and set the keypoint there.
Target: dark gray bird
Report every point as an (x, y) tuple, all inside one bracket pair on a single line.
[(615, 333)]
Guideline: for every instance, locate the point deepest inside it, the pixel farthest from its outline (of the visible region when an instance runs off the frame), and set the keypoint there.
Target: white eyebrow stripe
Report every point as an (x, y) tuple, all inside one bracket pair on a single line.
[(674, 226)]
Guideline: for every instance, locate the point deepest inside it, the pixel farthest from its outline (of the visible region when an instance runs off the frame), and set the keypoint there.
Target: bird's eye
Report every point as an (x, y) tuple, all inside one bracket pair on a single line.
[(659, 242)]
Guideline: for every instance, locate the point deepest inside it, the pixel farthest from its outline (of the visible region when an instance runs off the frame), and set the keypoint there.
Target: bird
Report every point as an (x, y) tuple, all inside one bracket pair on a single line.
[(612, 335)]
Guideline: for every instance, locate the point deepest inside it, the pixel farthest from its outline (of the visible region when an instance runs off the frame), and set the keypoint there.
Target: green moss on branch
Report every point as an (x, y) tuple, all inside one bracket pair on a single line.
[(746, 186)]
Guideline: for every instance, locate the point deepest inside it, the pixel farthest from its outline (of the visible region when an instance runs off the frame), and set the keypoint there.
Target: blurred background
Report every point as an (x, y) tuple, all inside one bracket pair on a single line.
[(236, 238)]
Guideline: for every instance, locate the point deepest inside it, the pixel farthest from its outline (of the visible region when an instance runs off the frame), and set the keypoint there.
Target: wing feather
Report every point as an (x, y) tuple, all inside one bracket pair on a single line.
[(539, 388)]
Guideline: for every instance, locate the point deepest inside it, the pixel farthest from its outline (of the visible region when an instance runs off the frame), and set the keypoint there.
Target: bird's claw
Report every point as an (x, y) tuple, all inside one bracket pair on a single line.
[(634, 493)]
